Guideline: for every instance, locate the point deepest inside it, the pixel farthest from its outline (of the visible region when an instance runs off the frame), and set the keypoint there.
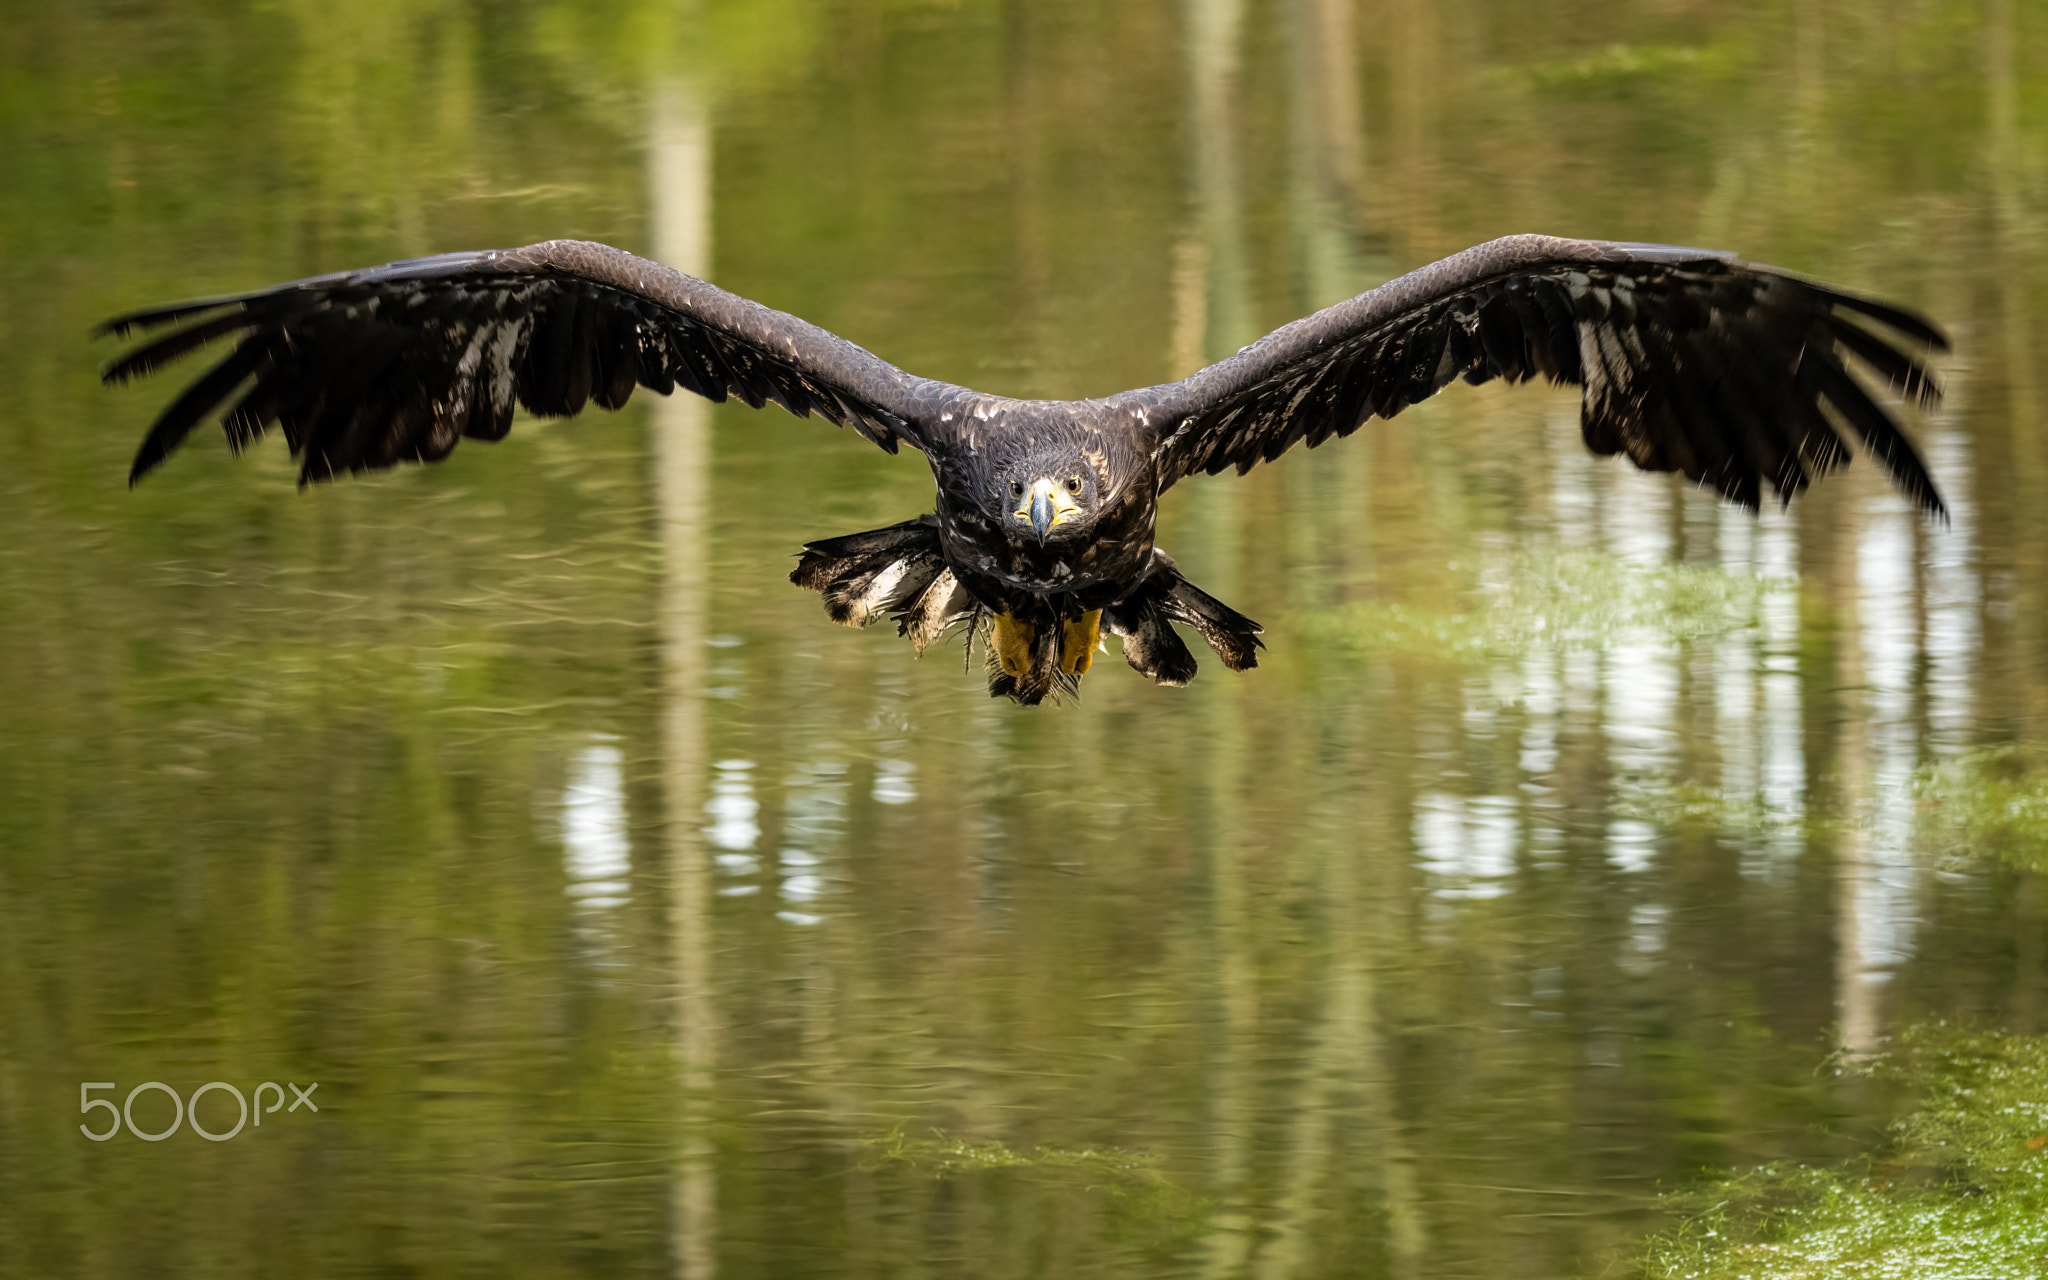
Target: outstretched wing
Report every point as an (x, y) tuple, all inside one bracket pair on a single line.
[(1691, 361), (369, 368)]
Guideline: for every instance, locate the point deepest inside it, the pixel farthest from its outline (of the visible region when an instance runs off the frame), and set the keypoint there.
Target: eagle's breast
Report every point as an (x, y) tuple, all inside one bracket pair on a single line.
[(1000, 561)]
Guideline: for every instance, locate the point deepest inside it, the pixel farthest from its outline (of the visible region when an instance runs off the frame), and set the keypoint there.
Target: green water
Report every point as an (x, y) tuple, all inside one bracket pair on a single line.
[(1959, 1186), (631, 919)]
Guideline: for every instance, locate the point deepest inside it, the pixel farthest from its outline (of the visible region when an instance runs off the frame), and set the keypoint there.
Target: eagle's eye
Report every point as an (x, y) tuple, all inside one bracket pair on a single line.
[(1016, 488), (1074, 485)]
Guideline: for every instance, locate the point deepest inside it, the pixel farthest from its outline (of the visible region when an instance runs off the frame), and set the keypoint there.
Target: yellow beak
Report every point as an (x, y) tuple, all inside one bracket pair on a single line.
[(1046, 506)]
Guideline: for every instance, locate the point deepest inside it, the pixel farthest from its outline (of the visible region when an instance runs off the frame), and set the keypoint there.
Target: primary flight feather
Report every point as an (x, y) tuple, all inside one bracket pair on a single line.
[(1735, 374)]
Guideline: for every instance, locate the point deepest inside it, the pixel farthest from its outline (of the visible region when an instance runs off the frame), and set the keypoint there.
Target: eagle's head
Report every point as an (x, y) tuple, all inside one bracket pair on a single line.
[(1049, 494)]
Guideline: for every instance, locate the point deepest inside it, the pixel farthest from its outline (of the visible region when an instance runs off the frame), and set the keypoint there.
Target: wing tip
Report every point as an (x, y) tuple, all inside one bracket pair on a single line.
[(1928, 499), (150, 455), (1901, 319), (1910, 323), (120, 326)]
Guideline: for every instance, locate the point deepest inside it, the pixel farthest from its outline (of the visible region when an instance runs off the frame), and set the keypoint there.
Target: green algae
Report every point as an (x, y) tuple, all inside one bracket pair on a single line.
[(1958, 1188), (1140, 1207), (944, 1155), (1692, 806), (1620, 63), (1566, 600), (1991, 803)]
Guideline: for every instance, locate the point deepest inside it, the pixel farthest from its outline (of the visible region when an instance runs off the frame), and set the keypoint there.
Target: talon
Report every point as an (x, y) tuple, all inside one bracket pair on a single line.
[(1011, 640), (1078, 640)]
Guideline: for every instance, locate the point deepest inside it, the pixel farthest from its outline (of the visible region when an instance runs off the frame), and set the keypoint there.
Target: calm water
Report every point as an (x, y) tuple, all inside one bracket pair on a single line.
[(633, 920)]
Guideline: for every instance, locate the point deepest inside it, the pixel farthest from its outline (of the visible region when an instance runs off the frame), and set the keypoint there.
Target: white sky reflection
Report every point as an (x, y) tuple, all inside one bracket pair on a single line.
[(597, 857)]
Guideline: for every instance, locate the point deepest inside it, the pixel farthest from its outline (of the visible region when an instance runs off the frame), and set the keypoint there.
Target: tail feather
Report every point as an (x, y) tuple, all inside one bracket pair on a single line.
[(1151, 645), (943, 604), (865, 575), (1234, 637), (900, 571), (1145, 618)]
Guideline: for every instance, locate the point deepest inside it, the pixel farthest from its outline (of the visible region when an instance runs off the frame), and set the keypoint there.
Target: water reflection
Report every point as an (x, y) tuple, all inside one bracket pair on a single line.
[(1431, 950), (1953, 601), (732, 810), (1890, 633), (679, 187), (599, 861), (1759, 726), (1469, 845)]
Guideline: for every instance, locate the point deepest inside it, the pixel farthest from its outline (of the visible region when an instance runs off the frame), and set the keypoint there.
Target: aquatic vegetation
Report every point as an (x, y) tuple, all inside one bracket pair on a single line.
[(1141, 1207), (1989, 803), (1624, 63), (1958, 1188), (1685, 804), (1558, 599)]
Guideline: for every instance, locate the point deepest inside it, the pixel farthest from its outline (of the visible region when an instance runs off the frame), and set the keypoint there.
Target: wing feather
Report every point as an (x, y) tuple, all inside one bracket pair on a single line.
[(366, 369), (1734, 374), (219, 382)]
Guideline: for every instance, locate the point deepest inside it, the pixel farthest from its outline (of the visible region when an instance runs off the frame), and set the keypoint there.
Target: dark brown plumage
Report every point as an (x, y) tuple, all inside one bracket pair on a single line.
[(1735, 375)]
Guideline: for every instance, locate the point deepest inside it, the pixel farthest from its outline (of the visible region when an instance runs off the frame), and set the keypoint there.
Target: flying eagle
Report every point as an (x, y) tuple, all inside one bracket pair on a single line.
[(1041, 534)]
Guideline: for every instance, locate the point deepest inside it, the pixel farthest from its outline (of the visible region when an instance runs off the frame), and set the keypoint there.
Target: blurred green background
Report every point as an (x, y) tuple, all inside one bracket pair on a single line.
[(634, 920)]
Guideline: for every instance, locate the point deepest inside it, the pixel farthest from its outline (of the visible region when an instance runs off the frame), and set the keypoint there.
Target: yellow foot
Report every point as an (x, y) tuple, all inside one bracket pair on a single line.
[(1012, 641), (1078, 641)]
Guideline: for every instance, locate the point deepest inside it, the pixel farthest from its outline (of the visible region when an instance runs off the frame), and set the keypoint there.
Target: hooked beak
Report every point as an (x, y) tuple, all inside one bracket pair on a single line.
[(1041, 512), (1046, 506)]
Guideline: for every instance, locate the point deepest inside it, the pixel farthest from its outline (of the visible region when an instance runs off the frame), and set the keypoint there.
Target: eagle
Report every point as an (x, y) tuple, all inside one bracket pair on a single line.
[(1040, 536)]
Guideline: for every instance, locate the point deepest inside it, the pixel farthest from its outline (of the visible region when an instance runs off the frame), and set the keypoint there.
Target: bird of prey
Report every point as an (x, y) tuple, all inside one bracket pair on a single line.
[(1041, 533)]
